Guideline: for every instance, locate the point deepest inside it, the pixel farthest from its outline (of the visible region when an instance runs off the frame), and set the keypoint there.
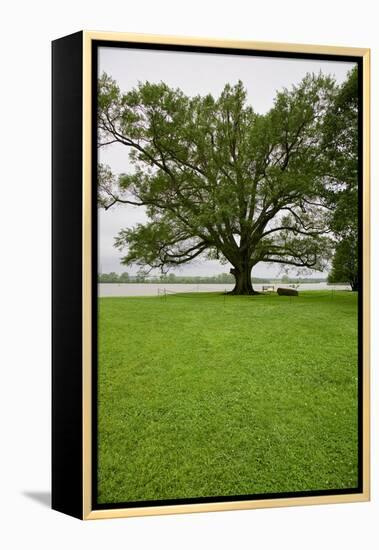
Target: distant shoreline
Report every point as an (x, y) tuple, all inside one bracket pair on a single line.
[(162, 289), (206, 280)]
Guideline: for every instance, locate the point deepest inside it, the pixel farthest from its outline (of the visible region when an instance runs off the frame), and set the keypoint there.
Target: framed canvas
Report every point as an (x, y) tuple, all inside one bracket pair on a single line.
[(210, 275)]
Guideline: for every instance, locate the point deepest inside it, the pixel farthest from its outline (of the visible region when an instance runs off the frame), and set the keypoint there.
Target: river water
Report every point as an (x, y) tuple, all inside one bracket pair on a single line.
[(155, 289)]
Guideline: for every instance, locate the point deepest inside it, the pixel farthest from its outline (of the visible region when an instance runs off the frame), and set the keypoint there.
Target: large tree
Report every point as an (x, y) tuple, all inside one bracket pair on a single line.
[(216, 178), (341, 148), (345, 264)]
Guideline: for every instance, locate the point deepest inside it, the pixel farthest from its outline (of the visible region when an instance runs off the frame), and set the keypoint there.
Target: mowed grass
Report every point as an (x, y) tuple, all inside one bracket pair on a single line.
[(209, 395)]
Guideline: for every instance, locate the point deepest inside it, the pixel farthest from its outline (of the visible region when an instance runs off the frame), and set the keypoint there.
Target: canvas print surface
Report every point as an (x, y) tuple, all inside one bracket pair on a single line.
[(229, 287)]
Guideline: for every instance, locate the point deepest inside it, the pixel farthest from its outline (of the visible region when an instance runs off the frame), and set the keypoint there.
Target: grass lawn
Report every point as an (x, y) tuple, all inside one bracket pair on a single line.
[(207, 395)]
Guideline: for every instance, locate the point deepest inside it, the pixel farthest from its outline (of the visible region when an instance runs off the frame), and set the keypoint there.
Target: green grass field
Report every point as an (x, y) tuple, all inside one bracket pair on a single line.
[(206, 395)]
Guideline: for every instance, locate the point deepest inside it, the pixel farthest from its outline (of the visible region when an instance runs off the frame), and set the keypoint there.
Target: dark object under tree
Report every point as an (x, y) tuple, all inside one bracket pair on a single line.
[(287, 292)]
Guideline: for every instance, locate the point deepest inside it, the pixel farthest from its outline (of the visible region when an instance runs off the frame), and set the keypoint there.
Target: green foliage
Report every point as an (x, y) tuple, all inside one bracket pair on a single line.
[(108, 277), (218, 179), (345, 264), (124, 278), (207, 395), (341, 148), (341, 134)]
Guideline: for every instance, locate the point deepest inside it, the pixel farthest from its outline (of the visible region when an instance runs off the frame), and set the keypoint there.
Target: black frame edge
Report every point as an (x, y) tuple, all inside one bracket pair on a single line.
[(67, 131)]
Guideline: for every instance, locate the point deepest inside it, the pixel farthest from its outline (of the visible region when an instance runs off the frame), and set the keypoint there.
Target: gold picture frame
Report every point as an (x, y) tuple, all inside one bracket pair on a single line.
[(81, 473)]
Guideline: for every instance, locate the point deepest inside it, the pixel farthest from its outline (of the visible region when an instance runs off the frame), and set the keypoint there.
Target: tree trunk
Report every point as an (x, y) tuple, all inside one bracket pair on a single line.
[(243, 285), (354, 284)]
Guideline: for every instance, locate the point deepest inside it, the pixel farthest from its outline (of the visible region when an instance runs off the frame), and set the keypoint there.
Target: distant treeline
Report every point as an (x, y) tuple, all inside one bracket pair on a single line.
[(223, 278)]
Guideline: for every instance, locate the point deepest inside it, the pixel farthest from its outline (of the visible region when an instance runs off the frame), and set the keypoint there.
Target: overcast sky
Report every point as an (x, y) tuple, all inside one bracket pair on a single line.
[(195, 74)]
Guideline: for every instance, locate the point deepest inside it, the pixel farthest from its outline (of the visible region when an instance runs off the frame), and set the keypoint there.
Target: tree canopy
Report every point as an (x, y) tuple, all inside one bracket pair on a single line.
[(345, 264), (220, 180), (341, 147)]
